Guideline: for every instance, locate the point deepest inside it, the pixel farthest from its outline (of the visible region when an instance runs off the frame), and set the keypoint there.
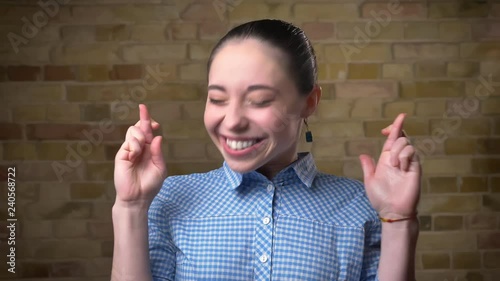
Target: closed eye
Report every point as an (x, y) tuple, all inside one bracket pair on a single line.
[(216, 101)]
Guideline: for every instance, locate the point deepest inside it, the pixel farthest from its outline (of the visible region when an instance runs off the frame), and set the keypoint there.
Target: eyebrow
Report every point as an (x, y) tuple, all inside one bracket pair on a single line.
[(249, 89)]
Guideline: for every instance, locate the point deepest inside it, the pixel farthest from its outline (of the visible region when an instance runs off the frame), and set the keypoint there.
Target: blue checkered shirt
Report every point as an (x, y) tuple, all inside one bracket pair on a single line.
[(302, 225)]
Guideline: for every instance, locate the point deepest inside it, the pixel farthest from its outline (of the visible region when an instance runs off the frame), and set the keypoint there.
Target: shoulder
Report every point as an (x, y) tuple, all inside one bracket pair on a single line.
[(182, 190), (350, 196)]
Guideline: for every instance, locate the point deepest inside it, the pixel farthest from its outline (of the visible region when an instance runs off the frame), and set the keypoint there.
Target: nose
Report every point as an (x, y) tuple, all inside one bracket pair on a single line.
[(235, 118)]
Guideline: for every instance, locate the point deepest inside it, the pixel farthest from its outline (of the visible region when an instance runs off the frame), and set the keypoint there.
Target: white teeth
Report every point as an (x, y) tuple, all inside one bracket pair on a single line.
[(239, 145)]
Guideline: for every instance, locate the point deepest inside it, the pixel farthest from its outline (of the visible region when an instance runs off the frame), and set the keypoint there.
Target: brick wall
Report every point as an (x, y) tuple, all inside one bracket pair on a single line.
[(70, 82)]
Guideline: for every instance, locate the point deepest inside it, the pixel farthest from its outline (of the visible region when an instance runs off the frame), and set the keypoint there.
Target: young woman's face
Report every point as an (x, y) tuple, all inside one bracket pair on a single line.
[(253, 109)]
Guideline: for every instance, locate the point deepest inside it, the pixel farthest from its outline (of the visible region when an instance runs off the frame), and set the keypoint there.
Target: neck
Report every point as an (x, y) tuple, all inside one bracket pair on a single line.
[(273, 167)]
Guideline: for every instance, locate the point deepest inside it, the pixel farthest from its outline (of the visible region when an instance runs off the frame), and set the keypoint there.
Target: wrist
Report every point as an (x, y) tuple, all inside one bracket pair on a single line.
[(131, 206)]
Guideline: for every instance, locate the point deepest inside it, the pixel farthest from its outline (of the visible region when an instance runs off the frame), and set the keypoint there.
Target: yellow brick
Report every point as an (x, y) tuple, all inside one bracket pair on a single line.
[(491, 260), (176, 92), (430, 69), (366, 89), (392, 109), (463, 69), (355, 52), (483, 50), (90, 191), (364, 71), (19, 151), (367, 108), (337, 129), (31, 93), (414, 127), (408, 90), (352, 169), (454, 31), (467, 260), (330, 167), (146, 33), (443, 223), (435, 260), (425, 51), (100, 171), (213, 152), (446, 241), (188, 150), (89, 73), (322, 71), (25, 54), (337, 71), (200, 51), (474, 184), (29, 113), (458, 9), (36, 229), (446, 166), (490, 106), (371, 30), (440, 89), (246, 11), (482, 221), (183, 31), (164, 112), (460, 146), (449, 203), (443, 185), (117, 32), (365, 146), (193, 72), (335, 109), (325, 148), (97, 53), (193, 110), (325, 11), (155, 53), (397, 71), (63, 112), (78, 33), (459, 126), (185, 129), (485, 165), (431, 107), (83, 93), (421, 30)]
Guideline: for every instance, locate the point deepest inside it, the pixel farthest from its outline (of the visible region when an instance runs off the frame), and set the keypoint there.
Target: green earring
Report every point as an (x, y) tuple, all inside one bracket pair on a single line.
[(309, 135)]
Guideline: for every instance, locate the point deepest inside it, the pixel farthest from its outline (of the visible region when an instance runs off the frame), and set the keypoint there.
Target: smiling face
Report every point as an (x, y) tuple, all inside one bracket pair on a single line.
[(253, 111)]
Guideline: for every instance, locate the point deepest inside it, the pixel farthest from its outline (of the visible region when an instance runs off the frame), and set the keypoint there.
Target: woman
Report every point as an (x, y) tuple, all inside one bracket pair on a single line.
[(267, 213)]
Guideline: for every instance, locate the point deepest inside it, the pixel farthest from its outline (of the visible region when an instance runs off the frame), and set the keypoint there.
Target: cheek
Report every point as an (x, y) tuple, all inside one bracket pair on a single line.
[(209, 119)]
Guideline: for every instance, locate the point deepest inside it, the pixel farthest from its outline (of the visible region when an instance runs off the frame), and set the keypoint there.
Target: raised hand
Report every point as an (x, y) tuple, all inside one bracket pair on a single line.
[(139, 164), (393, 184)]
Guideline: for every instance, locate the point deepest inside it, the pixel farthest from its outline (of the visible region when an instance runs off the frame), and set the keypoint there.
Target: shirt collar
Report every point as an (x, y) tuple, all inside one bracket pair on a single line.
[(304, 168)]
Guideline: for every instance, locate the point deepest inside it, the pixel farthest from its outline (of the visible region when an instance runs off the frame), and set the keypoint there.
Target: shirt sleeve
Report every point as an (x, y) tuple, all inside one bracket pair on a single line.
[(371, 254), (162, 250)]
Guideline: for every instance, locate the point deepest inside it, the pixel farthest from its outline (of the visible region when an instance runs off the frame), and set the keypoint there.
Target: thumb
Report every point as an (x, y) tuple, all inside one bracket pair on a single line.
[(156, 152), (367, 165)]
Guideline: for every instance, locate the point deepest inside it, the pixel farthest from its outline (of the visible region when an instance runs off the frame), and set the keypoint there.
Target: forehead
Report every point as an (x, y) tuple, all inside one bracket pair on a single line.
[(247, 60)]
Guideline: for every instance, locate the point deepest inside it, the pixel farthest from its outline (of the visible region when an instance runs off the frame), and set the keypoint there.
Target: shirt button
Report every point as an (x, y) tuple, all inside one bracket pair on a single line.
[(270, 188), (266, 220), (263, 258)]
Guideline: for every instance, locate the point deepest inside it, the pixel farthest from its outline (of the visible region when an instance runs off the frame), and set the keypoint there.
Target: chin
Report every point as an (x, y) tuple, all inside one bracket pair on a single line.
[(241, 166)]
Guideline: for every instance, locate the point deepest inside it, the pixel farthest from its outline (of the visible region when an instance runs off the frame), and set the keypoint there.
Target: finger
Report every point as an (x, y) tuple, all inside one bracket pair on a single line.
[(367, 165), (135, 149), (145, 123), (135, 132), (387, 130), (154, 124), (156, 153), (406, 156), (396, 128), (396, 149)]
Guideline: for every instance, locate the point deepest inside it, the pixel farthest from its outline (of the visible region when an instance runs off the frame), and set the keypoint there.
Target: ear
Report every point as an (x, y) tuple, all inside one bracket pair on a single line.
[(312, 101)]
